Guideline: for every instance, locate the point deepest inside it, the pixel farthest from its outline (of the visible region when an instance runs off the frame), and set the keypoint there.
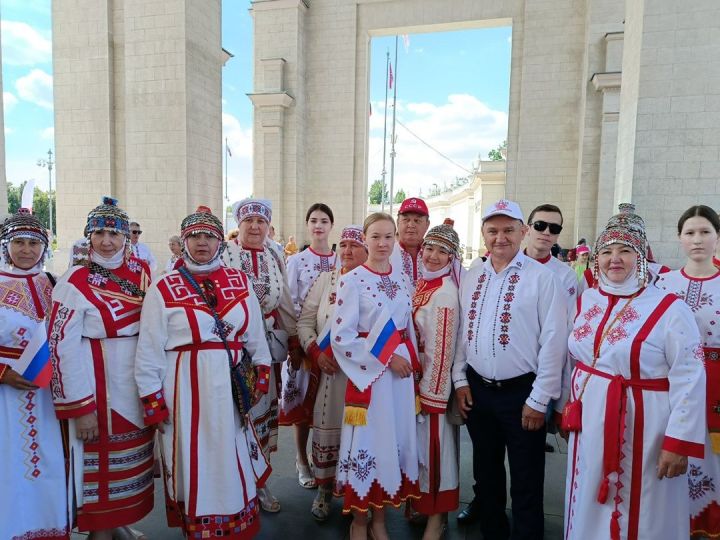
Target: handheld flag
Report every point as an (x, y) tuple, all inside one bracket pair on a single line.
[(383, 338), (27, 195), (34, 363), (323, 339)]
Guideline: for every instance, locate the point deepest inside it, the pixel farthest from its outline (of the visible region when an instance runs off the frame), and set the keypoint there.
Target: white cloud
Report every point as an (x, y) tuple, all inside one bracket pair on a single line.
[(36, 87), (8, 130), (48, 134), (463, 128), (239, 140), (9, 100), (23, 45)]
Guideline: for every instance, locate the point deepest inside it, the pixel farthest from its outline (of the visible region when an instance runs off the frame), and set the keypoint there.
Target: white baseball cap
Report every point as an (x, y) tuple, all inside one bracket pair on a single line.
[(504, 207)]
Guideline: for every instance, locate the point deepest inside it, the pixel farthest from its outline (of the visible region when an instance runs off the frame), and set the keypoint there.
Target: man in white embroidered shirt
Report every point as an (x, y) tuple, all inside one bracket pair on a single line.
[(412, 224), (138, 249), (508, 367)]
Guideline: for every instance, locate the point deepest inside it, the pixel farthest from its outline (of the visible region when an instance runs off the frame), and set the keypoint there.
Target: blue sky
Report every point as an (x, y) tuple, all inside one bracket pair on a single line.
[(452, 93)]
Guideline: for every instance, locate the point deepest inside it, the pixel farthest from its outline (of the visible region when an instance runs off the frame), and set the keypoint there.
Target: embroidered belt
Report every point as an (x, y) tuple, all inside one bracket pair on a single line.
[(711, 353), (210, 346), (615, 411), (11, 353)]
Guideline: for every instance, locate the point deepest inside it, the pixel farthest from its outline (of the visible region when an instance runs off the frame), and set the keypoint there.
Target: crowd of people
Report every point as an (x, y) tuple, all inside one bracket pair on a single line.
[(376, 354)]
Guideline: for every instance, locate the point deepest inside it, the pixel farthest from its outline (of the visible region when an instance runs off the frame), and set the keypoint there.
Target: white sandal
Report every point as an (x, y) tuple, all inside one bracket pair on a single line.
[(268, 501), (321, 505), (305, 477)]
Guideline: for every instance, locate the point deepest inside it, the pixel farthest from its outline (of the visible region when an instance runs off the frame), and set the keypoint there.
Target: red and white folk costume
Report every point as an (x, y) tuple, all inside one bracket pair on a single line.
[(411, 266), (436, 317), (33, 501), (703, 297), (640, 383), (299, 387), (268, 279), (93, 336), (211, 463), (378, 461)]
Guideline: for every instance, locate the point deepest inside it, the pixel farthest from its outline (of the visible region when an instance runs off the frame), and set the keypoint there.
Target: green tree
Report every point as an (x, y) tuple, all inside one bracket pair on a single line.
[(496, 153), (376, 195), (40, 202), (400, 196)]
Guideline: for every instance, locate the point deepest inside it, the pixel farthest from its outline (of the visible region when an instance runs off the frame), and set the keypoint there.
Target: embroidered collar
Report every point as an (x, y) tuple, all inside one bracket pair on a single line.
[(518, 262)]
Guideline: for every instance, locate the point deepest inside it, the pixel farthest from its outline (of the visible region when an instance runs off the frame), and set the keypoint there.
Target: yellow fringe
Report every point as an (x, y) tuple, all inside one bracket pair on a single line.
[(355, 416), (418, 408), (715, 442)]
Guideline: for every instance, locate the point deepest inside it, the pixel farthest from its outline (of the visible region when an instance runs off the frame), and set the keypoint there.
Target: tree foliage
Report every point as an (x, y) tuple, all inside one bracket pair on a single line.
[(496, 154), (376, 195), (400, 196), (40, 203)]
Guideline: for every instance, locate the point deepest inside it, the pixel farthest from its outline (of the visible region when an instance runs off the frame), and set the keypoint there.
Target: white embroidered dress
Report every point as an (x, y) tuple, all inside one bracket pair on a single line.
[(296, 404), (318, 308), (703, 297), (33, 498), (378, 462), (267, 276), (645, 393), (436, 314)]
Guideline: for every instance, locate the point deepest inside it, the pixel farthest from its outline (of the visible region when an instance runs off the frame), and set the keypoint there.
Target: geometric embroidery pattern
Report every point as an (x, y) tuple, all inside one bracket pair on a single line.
[(361, 465), (30, 444)]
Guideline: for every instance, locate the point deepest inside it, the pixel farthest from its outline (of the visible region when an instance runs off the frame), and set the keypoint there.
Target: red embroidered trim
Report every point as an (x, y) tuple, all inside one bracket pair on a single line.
[(263, 379), (155, 407), (684, 448)]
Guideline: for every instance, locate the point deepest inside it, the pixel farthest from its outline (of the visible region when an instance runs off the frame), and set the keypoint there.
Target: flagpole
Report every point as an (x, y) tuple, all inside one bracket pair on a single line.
[(384, 172), (393, 138)]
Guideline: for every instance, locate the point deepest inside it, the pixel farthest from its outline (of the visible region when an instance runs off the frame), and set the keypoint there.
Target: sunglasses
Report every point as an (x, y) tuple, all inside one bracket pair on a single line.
[(209, 291), (136, 232), (540, 226)]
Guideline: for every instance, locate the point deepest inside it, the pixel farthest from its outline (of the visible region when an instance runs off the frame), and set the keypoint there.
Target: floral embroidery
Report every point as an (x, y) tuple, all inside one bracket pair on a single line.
[(699, 483), (593, 312), (472, 315), (332, 297), (505, 316), (361, 465), (388, 286), (582, 332)]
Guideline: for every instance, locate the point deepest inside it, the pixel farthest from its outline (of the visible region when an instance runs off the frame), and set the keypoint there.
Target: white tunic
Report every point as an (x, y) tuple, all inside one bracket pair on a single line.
[(703, 297), (513, 322), (411, 266), (654, 342), (211, 464), (317, 309), (378, 462), (33, 498), (436, 314), (142, 252), (303, 269)]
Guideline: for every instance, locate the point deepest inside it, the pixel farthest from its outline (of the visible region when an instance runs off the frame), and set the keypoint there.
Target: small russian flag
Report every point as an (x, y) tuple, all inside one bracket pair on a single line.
[(383, 339), (323, 339), (34, 363)]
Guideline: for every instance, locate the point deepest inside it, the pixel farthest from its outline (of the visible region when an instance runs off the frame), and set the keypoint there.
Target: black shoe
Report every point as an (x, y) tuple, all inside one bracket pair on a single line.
[(468, 515), (549, 448)]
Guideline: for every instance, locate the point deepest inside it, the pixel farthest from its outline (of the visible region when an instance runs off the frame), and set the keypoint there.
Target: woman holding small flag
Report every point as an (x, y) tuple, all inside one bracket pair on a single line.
[(313, 330), (373, 342), (94, 326), (33, 501), (202, 360), (436, 311)]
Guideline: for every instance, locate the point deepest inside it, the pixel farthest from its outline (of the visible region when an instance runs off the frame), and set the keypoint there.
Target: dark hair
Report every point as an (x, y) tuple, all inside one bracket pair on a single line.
[(323, 208), (134, 223), (700, 210), (546, 208)]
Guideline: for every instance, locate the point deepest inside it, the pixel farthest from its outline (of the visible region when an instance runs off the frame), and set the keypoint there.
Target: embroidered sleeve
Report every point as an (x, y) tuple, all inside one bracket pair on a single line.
[(72, 387), (151, 357), (155, 408), (685, 431), (263, 378), (254, 337), (306, 325)]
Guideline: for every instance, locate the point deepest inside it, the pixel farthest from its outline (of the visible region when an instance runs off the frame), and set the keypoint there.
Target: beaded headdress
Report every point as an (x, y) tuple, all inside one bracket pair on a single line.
[(443, 236), (353, 233), (108, 216), (202, 221), (22, 225), (248, 208), (627, 228)]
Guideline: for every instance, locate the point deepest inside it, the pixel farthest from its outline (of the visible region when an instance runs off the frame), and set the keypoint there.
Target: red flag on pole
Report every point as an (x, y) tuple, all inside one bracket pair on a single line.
[(390, 79)]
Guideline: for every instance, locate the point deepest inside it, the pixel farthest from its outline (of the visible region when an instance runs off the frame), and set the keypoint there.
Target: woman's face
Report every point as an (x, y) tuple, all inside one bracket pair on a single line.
[(351, 255), (698, 239), (25, 252), (253, 231), (175, 248), (435, 258), (617, 262), (380, 239), (319, 225), (107, 243), (202, 247), (583, 258)]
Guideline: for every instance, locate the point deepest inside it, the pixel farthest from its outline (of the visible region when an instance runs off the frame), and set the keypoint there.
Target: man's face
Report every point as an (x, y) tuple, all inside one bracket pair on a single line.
[(412, 228), (543, 240), (135, 232), (502, 236)]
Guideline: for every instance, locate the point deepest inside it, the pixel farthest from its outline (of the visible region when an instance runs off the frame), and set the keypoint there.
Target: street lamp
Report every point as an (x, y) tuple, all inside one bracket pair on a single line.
[(49, 164)]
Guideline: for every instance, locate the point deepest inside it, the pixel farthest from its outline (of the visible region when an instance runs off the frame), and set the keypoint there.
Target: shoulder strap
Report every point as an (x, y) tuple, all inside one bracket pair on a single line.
[(51, 278)]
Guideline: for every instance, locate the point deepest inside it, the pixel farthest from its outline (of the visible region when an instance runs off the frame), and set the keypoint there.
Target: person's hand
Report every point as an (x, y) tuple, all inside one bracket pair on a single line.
[(400, 366), (296, 357), (671, 464), (87, 427), (532, 420), (328, 364), (160, 426), (14, 379), (464, 400)]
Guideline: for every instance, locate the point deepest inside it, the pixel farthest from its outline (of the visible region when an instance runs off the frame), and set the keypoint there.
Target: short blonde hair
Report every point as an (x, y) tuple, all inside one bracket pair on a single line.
[(375, 217)]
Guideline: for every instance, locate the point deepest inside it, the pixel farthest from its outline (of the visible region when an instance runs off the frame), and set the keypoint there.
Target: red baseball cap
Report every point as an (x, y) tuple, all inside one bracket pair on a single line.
[(415, 206)]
